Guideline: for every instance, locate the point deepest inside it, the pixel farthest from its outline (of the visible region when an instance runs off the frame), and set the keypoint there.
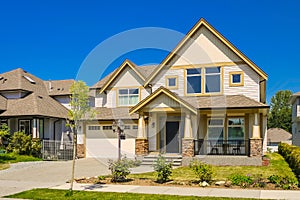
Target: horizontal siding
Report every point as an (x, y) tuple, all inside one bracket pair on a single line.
[(296, 134), (160, 80), (251, 82)]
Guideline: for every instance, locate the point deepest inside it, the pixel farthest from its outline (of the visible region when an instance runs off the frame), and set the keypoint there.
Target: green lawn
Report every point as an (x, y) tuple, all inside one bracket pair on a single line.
[(60, 194), (277, 166), (7, 158)]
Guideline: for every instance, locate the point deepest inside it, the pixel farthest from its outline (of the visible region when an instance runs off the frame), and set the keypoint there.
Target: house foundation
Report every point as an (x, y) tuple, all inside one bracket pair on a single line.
[(80, 151)]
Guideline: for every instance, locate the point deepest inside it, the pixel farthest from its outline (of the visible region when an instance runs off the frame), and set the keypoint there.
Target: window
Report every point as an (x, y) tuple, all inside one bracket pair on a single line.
[(194, 81), (127, 127), (212, 79), (107, 127), (134, 127), (24, 126), (236, 79), (236, 128), (128, 97), (171, 82), (94, 128), (215, 129)]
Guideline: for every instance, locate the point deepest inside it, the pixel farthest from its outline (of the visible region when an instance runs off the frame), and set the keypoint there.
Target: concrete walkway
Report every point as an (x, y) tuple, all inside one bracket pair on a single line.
[(187, 191)]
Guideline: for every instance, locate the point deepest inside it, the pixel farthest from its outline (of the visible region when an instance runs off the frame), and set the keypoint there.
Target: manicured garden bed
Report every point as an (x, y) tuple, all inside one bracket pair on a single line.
[(277, 175)]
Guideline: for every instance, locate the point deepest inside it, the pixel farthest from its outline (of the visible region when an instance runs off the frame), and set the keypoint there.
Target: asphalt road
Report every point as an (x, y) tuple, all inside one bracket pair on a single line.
[(44, 174)]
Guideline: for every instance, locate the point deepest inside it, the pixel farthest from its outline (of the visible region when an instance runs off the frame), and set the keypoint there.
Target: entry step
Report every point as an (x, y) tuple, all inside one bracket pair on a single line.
[(175, 159)]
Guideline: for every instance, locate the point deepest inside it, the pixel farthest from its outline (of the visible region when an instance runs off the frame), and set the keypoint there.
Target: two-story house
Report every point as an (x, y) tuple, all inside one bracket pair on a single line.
[(205, 98), (34, 106), (295, 102)]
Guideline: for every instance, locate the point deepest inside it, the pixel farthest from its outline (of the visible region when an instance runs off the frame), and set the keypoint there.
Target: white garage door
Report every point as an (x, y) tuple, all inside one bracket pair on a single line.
[(104, 143)]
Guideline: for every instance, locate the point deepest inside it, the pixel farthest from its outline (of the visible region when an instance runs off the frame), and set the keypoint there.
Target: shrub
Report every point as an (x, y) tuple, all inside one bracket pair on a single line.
[(4, 133), (292, 156), (202, 170), (22, 144), (131, 163), (241, 180), (119, 170), (285, 182), (163, 169)]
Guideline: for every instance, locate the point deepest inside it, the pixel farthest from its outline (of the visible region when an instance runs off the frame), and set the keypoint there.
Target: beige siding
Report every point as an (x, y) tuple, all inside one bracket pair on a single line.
[(205, 48), (251, 82), (152, 132), (128, 78), (111, 99), (160, 80), (100, 100)]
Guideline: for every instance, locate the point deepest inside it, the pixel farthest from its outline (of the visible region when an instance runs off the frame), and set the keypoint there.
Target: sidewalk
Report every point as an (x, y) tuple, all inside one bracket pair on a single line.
[(187, 191)]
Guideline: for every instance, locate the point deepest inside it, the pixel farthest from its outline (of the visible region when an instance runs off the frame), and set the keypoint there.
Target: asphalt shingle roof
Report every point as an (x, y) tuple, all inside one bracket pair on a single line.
[(3, 103), (59, 87), (36, 101), (278, 135), (104, 113)]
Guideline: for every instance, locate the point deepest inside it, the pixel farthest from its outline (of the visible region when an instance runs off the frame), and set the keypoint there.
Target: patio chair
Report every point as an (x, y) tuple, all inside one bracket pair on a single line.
[(214, 149), (237, 150)]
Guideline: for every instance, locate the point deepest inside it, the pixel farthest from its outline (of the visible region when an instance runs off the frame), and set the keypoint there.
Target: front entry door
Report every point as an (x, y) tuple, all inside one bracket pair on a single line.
[(172, 137)]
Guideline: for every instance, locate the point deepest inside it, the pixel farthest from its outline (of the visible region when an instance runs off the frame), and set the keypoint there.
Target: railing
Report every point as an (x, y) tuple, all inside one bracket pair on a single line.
[(221, 147), (57, 150)]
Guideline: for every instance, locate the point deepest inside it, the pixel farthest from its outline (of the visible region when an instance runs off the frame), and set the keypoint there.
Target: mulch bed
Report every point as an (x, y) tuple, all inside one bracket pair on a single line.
[(150, 182)]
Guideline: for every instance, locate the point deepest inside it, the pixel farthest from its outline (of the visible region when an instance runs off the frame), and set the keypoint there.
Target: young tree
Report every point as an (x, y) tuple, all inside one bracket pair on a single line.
[(280, 115), (80, 109)]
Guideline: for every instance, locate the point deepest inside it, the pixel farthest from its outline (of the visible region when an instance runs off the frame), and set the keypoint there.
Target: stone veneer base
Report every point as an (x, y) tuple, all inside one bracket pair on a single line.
[(187, 147), (141, 147), (80, 151)]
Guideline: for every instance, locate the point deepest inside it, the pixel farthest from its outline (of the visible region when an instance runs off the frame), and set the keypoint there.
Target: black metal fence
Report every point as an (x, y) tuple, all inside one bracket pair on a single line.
[(221, 147), (57, 150)]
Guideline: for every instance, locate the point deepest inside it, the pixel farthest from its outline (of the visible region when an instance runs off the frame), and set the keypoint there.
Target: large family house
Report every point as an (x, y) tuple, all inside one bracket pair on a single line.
[(295, 102), (206, 99)]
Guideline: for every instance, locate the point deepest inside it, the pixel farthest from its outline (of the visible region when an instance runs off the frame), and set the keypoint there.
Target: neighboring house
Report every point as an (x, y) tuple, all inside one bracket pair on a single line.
[(205, 98), (295, 102), (277, 136), (33, 106)]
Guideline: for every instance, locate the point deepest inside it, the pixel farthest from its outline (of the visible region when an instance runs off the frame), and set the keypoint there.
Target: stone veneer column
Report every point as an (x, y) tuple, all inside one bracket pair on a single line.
[(80, 151), (256, 140), (255, 147), (141, 142), (188, 140)]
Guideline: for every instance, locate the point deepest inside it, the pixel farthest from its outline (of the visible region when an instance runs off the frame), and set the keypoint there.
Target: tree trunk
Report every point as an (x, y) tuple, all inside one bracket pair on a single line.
[(74, 156)]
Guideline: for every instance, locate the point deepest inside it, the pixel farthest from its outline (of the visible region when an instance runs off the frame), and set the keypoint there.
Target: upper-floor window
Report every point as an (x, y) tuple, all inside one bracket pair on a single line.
[(212, 79), (172, 82), (128, 97), (194, 81), (236, 79), (209, 76)]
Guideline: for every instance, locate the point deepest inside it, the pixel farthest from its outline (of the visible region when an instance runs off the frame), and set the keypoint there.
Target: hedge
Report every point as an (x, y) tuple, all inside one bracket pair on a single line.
[(292, 155)]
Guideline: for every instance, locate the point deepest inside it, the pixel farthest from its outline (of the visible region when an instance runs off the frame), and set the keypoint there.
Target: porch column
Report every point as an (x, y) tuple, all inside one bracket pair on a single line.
[(141, 142), (188, 140), (256, 141), (34, 129)]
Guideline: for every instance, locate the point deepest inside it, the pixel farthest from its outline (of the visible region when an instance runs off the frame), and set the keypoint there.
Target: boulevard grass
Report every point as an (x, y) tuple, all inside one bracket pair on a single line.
[(61, 194), (7, 158)]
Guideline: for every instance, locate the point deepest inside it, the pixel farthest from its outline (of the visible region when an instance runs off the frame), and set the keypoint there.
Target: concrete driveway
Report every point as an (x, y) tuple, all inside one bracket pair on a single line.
[(44, 174)]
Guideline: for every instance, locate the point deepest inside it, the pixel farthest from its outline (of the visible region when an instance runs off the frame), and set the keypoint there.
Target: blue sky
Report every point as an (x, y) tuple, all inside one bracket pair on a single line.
[(51, 39)]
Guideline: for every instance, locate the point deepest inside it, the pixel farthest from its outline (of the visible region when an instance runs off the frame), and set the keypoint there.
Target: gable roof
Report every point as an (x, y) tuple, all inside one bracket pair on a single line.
[(116, 73), (144, 70), (59, 87), (104, 113), (187, 38), (37, 100), (278, 135), (159, 91)]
